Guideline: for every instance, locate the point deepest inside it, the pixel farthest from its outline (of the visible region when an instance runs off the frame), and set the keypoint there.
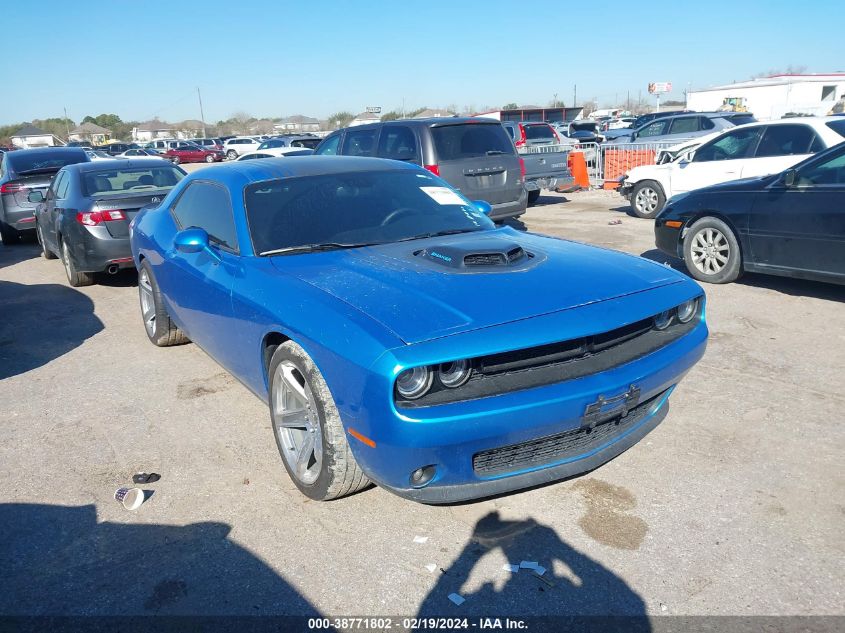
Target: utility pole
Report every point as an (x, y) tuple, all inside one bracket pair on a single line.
[(202, 115), (575, 96), (67, 127)]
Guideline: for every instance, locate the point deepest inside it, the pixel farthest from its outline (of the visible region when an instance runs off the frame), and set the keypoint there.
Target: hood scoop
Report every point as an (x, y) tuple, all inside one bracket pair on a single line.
[(476, 255)]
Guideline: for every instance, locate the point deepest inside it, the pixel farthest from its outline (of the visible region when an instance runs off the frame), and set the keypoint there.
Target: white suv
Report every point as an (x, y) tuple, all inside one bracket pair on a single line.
[(240, 145), (745, 151)]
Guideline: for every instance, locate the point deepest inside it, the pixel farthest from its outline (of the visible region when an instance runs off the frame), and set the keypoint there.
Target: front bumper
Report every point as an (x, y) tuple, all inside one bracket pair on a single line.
[(451, 437), (668, 239), (625, 188)]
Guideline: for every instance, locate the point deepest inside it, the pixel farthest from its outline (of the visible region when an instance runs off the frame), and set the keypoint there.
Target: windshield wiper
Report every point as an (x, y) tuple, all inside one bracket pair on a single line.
[(313, 248), (423, 236)]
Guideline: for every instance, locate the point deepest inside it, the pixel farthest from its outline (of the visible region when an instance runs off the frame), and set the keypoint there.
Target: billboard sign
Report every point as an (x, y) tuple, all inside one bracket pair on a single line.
[(657, 87)]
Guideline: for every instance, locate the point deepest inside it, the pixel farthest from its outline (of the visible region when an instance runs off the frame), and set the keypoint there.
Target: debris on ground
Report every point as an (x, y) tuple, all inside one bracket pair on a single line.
[(511, 568), (420, 539), (431, 567), (614, 222), (458, 600), (528, 564), (246, 481), (145, 478), (131, 498)]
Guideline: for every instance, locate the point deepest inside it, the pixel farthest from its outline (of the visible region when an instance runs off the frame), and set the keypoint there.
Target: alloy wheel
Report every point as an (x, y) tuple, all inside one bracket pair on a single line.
[(148, 307), (66, 260), (646, 200), (296, 423), (710, 251)]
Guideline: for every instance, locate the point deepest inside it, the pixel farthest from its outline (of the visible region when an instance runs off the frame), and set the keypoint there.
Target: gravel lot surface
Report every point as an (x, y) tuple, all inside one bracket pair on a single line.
[(734, 505)]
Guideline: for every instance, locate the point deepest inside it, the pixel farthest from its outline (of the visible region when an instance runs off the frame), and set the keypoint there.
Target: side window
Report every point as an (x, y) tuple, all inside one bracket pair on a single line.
[(704, 123), (729, 146), (786, 140), (360, 142), (827, 172), (208, 207), (398, 142), (329, 146), (684, 125), (51, 190), (63, 186), (653, 129)]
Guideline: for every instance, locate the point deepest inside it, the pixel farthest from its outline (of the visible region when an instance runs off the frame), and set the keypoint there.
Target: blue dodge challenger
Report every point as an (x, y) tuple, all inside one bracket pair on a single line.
[(399, 337)]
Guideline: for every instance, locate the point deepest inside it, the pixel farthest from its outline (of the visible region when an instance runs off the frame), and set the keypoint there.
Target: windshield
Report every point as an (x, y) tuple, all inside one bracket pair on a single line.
[(51, 160), (107, 181), (310, 143), (355, 208)]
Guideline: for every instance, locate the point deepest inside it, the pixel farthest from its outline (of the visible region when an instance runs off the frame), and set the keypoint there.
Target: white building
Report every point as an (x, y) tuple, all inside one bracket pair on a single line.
[(30, 136), (772, 97)]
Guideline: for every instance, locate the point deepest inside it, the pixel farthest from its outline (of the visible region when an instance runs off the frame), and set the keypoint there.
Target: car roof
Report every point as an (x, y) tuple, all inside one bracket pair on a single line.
[(117, 162), (296, 167), (54, 150)]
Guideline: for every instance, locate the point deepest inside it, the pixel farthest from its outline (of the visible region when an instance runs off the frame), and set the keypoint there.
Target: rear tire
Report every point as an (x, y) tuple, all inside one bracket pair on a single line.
[(306, 424), (533, 196), (176, 160), (161, 331), (231, 154), (647, 199), (712, 253), (46, 253), (75, 277), (209, 158)]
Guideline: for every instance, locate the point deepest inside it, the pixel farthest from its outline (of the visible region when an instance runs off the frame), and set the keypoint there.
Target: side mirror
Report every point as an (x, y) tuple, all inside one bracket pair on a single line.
[(194, 240), (35, 196), (688, 156), (788, 178), (483, 206)]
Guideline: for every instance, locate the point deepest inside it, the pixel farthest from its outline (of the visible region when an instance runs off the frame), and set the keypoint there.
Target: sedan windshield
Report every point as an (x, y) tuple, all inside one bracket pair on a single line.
[(355, 209)]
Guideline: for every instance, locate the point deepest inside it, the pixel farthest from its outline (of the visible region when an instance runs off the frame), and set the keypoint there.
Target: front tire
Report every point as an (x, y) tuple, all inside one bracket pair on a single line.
[(161, 331), (176, 160), (46, 253), (75, 277), (712, 253), (231, 154), (306, 424), (209, 158), (647, 199)]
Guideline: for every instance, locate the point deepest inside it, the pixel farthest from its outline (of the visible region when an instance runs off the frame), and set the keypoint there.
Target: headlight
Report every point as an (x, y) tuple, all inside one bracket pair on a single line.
[(662, 320), (455, 374), (687, 310), (413, 383)]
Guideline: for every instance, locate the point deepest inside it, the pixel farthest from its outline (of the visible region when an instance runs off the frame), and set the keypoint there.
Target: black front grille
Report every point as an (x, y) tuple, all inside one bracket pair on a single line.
[(553, 448)]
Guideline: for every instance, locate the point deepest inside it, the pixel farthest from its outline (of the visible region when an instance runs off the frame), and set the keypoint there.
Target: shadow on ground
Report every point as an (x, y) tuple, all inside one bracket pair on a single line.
[(16, 253), (41, 322), (575, 584), (58, 560), (784, 285)]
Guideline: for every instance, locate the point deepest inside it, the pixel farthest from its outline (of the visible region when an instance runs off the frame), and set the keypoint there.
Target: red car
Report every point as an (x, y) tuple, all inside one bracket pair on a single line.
[(193, 154)]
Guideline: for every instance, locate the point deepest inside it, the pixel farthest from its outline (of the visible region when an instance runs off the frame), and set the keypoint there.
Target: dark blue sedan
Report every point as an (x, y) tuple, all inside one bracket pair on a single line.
[(399, 337)]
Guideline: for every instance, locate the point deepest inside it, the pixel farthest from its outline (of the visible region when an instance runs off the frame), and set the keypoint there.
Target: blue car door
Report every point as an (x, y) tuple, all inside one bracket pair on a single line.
[(199, 285)]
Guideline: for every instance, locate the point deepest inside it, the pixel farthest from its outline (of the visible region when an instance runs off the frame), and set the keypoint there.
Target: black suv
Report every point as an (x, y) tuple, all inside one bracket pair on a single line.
[(474, 155), (22, 172)]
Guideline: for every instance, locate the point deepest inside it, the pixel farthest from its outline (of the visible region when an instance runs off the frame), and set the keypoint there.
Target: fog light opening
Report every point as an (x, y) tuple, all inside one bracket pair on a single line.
[(423, 476)]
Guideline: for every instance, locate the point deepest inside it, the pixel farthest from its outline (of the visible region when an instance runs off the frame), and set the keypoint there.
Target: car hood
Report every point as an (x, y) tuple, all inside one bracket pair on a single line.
[(411, 288), (646, 172)]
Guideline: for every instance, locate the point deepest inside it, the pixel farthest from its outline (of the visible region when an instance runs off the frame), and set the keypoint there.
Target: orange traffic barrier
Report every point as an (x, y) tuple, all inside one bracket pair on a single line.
[(578, 167), (617, 162)]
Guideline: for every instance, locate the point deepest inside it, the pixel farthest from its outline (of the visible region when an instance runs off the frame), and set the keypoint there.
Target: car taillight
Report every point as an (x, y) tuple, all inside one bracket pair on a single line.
[(521, 167), (13, 187), (521, 141), (93, 218), (434, 169)]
